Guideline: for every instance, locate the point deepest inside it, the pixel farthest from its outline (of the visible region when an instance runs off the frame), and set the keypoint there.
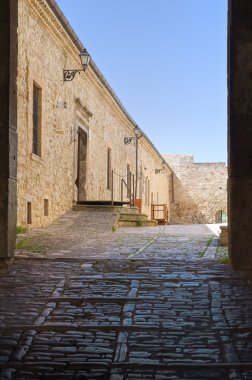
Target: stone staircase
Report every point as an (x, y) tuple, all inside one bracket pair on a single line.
[(127, 216), (131, 217)]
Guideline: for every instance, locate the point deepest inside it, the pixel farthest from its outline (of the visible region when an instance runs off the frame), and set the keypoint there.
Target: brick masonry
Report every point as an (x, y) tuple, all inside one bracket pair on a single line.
[(200, 190)]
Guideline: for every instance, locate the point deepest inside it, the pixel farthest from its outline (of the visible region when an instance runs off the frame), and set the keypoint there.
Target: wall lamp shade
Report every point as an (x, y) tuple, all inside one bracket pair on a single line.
[(157, 171), (68, 75), (137, 132), (85, 58)]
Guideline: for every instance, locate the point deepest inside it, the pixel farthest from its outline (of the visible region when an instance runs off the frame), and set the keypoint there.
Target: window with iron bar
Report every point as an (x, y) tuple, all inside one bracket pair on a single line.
[(36, 130)]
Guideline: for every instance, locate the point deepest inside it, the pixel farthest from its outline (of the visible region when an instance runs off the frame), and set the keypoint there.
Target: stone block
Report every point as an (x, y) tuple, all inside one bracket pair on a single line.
[(224, 236), (240, 95), (8, 204), (240, 222), (241, 13), (240, 154), (241, 49)]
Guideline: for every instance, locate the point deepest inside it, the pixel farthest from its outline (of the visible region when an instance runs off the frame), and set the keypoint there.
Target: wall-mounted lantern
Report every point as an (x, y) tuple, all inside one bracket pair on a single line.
[(68, 75), (157, 171), (127, 140)]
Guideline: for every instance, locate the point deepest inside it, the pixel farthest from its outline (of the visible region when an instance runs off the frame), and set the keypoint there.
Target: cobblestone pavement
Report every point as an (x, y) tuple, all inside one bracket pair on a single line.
[(90, 235), (72, 230), (142, 303)]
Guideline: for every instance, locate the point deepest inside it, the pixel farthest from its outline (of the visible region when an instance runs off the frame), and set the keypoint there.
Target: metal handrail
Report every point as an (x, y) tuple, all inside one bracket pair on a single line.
[(112, 188), (132, 180), (132, 197)]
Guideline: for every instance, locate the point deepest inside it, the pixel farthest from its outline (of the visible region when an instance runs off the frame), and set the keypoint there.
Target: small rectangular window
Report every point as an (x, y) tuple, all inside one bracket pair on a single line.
[(36, 121), (109, 170), (46, 207), (148, 192), (29, 213)]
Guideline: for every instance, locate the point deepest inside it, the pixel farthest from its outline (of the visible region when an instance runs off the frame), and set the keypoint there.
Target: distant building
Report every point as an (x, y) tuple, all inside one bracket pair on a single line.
[(199, 190)]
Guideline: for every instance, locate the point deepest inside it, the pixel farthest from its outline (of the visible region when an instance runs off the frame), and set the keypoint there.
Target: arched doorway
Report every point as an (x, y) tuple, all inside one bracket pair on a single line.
[(220, 217)]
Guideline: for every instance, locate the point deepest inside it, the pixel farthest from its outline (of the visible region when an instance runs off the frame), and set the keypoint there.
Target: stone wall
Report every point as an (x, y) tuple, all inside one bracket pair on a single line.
[(8, 126), (200, 190), (85, 104), (240, 133)]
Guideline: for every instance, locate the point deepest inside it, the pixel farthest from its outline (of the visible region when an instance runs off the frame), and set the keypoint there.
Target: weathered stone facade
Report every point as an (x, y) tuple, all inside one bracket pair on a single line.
[(83, 114), (199, 190)]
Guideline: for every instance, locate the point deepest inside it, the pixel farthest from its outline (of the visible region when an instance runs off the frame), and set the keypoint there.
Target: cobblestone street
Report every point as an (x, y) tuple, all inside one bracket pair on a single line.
[(83, 301)]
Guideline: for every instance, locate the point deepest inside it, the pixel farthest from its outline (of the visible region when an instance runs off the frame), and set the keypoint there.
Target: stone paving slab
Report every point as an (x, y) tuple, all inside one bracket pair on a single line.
[(143, 303), (71, 230), (66, 239), (107, 318)]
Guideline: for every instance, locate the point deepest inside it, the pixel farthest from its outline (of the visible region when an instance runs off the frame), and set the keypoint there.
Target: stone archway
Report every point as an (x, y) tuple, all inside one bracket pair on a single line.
[(240, 133), (8, 127)]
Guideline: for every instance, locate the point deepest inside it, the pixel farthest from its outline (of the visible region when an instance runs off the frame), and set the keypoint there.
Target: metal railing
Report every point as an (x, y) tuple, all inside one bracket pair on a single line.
[(130, 194)]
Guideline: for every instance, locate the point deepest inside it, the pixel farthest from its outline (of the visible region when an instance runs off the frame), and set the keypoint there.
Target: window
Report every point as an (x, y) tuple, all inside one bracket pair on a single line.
[(29, 213), (148, 190), (46, 207), (36, 130), (109, 170)]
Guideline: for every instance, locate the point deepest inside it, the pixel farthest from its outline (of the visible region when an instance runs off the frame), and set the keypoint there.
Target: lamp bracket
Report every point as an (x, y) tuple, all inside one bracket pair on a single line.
[(68, 75), (127, 140)]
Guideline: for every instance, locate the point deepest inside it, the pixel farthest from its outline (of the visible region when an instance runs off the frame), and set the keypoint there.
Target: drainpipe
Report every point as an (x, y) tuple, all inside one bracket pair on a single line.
[(172, 179)]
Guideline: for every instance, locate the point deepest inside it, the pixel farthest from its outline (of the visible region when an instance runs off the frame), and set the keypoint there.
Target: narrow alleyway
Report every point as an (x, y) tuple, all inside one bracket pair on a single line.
[(83, 301)]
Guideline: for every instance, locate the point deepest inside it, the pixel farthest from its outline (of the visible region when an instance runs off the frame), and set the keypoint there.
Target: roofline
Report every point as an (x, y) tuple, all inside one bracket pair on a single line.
[(65, 23)]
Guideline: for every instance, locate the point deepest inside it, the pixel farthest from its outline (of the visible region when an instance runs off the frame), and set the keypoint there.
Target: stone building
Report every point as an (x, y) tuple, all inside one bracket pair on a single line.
[(200, 190), (71, 134)]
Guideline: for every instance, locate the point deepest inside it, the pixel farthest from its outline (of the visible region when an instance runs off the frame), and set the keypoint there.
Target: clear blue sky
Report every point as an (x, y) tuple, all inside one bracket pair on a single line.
[(166, 61)]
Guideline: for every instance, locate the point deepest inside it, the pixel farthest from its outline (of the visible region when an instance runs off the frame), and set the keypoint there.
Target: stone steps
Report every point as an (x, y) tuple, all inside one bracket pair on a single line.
[(128, 216), (131, 217), (130, 210), (98, 208), (106, 208), (136, 223)]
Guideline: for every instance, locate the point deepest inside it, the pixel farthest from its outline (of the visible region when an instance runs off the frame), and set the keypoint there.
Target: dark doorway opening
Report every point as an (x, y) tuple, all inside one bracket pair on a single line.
[(82, 165)]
